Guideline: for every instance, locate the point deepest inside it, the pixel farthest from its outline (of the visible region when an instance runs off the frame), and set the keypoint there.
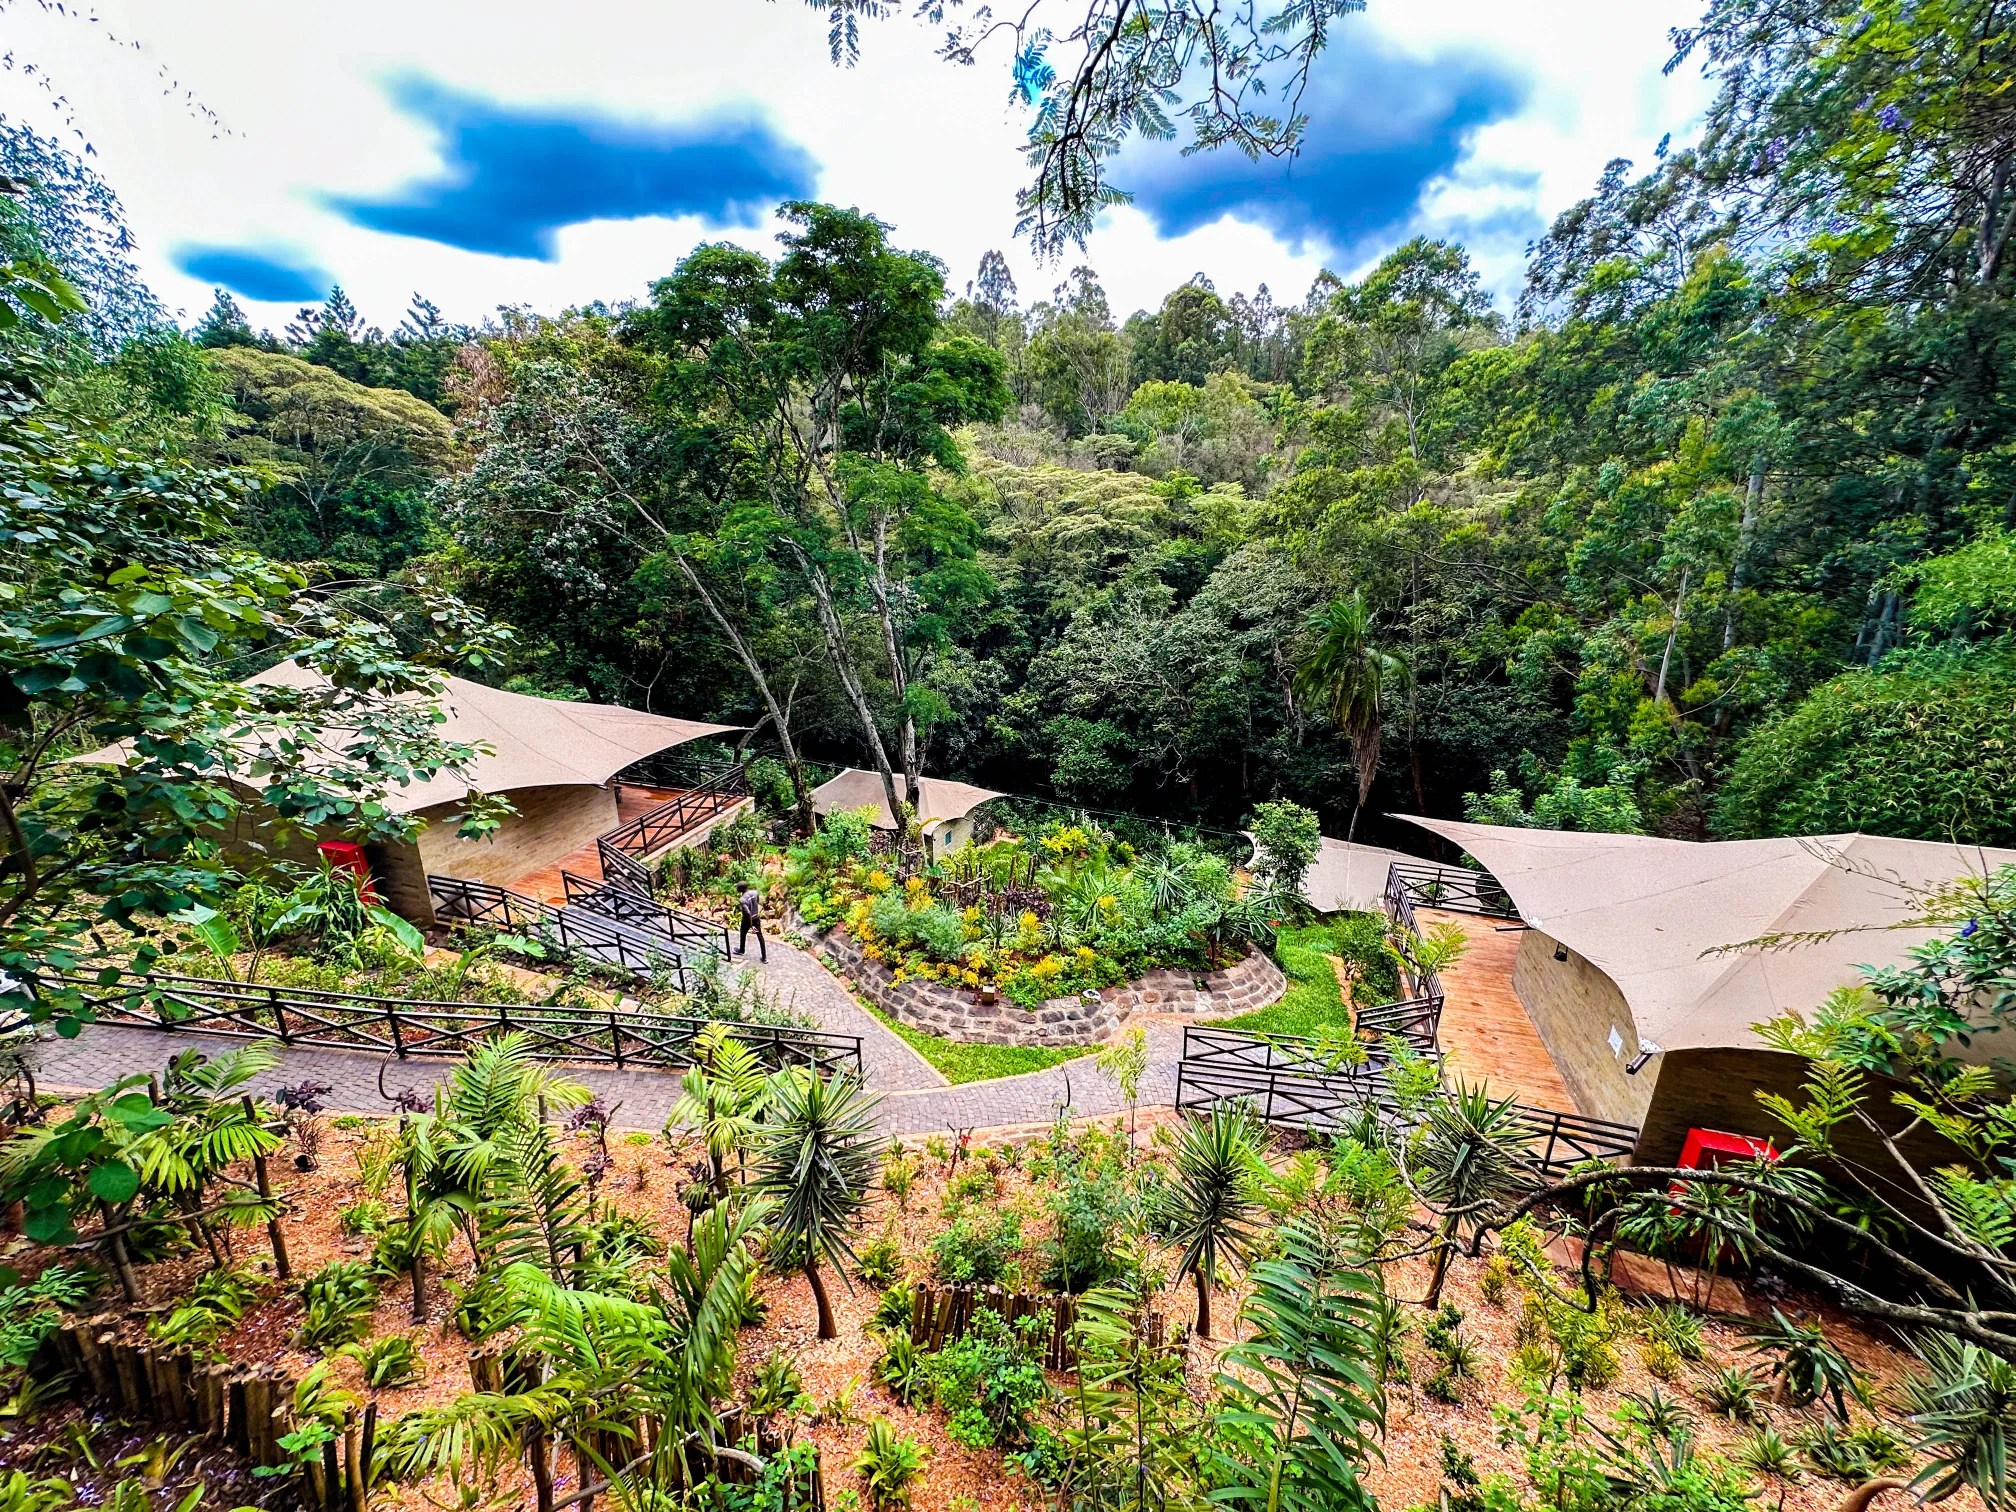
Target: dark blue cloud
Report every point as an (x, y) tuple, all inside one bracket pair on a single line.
[(512, 176), (254, 274), (1382, 126)]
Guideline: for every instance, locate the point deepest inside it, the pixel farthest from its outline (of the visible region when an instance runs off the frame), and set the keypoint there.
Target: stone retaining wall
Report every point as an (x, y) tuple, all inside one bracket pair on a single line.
[(942, 1009)]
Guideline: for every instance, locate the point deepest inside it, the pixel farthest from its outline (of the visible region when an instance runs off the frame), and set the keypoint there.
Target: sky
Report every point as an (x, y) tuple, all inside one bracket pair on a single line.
[(541, 156)]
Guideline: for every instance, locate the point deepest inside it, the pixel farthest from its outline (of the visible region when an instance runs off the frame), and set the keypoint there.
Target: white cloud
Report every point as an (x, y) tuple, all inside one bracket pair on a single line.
[(927, 146)]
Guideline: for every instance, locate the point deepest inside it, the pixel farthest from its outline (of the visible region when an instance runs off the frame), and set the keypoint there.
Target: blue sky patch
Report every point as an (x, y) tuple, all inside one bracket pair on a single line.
[(1383, 126), (511, 176), (253, 274)]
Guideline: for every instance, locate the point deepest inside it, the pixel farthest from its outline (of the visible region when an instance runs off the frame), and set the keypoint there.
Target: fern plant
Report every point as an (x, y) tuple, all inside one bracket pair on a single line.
[(777, 1387), (217, 1300)]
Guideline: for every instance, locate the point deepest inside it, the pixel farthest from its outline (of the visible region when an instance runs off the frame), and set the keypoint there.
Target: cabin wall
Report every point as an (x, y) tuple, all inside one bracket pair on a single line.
[(400, 878), (549, 823), (1577, 1008), (256, 838)]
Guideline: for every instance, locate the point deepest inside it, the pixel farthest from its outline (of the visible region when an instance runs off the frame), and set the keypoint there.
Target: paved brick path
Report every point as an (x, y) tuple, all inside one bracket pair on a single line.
[(917, 1099)]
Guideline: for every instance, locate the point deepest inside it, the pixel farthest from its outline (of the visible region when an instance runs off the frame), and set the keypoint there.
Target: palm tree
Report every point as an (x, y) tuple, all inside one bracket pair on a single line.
[(1348, 673), (817, 1163), (1210, 1209), (722, 1095)]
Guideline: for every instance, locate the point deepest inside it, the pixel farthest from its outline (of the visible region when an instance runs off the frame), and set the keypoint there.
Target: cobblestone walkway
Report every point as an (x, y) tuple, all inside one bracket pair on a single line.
[(916, 1098)]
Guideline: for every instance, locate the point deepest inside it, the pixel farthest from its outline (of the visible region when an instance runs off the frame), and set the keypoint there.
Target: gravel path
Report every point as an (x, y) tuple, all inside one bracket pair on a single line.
[(916, 1097)]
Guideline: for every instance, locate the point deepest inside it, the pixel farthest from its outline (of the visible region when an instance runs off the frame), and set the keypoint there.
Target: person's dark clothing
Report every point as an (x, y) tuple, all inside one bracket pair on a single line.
[(752, 918)]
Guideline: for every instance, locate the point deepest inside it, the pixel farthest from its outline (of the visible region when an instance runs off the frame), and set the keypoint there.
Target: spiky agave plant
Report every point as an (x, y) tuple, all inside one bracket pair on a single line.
[(1467, 1152)]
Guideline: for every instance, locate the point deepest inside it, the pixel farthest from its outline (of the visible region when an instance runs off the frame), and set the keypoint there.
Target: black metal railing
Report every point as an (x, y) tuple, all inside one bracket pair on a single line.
[(1285, 1087), (1207, 1045), (658, 827), (1415, 1020), (625, 1038), (1455, 888), (686, 931), (575, 931), (620, 870)]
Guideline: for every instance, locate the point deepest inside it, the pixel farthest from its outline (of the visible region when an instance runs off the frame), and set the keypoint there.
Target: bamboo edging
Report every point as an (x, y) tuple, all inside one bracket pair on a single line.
[(940, 1315), (247, 1411)]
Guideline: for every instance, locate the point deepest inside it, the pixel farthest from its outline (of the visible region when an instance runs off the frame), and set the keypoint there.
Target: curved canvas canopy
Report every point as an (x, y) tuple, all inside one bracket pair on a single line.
[(533, 742), (1346, 875), (938, 799), (1659, 917)]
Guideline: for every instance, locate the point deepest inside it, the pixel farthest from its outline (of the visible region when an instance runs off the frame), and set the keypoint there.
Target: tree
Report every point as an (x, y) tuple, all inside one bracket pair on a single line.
[(223, 324), (826, 372), (128, 605), (1286, 843), (1348, 673), (1238, 81), (818, 1164), (1210, 1211)]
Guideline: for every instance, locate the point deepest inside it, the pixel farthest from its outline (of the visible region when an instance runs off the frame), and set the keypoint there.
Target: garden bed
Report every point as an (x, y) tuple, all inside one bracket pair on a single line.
[(956, 1012)]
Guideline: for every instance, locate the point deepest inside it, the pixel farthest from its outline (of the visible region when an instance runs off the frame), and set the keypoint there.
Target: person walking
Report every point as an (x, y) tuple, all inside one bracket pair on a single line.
[(752, 918)]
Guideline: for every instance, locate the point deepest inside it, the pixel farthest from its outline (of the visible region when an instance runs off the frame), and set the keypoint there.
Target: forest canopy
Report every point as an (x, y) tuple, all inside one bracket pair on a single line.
[(1706, 535)]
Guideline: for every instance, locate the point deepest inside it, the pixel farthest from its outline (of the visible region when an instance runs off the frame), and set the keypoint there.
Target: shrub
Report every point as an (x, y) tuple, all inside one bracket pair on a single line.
[(1804, 1363), (1087, 1207), (337, 1302), (888, 1464), (902, 1369), (1494, 1281), (365, 1216), (1765, 1452), (989, 1380), (899, 1174), (1661, 1359), (1454, 1357), (976, 1250), (388, 1361)]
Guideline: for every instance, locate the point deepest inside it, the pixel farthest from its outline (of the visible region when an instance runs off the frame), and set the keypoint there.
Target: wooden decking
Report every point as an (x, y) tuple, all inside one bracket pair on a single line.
[(544, 884), (1486, 1034)]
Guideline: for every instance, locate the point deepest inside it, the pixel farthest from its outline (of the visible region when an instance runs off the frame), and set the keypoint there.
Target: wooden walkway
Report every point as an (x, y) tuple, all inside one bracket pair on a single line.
[(1486, 1034), (631, 800)]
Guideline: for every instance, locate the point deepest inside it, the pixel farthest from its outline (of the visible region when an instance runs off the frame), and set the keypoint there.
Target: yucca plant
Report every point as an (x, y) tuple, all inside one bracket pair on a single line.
[(1209, 1207), (1963, 1404), (817, 1164), (1467, 1153), (888, 1464), (1806, 1367)]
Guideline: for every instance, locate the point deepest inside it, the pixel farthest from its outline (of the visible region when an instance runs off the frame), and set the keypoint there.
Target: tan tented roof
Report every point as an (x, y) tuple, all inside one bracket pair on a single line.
[(938, 799), (1346, 875), (1656, 916), (533, 742)]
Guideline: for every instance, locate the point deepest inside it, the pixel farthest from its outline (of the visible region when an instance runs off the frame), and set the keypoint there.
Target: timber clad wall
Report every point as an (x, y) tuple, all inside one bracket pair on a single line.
[(550, 822), (1575, 1006)]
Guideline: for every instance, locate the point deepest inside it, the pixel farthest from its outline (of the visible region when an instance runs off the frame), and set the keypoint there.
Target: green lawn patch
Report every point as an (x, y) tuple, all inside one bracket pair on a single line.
[(959, 1062), (1313, 998)]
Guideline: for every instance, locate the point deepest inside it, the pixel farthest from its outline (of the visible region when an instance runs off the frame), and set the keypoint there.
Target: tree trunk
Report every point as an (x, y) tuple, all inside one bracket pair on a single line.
[(122, 1264), (1443, 1249), (850, 679), (1198, 1275), (1860, 1498), (540, 1455), (1673, 634), (419, 1284), (828, 1329)]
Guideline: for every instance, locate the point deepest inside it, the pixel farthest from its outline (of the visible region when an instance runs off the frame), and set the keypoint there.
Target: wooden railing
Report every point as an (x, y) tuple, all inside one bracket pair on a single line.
[(688, 931), (657, 828), (643, 954), (626, 1038), (1286, 1084)]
